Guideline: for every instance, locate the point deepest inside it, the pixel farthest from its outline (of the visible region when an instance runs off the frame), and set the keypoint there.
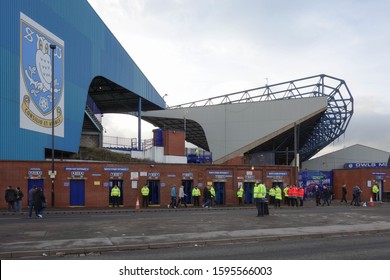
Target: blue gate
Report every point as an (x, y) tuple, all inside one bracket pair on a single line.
[(77, 193), (219, 192), (35, 182), (248, 192), (188, 184), (154, 192)]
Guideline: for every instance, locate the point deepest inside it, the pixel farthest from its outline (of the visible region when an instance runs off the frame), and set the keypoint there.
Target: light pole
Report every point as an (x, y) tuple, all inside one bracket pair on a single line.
[(185, 123), (52, 175), (185, 131)]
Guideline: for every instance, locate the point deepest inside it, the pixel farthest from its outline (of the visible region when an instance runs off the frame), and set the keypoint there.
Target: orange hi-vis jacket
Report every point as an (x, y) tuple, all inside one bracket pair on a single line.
[(301, 192), (294, 191)]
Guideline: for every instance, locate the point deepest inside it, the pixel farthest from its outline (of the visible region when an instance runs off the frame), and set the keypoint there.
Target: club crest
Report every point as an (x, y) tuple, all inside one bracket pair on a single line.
[(36, 78)]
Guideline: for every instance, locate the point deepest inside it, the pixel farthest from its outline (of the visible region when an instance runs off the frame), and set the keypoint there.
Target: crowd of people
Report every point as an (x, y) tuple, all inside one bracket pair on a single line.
[(195, 195), (290, 195), (36, 200), (14, 197)]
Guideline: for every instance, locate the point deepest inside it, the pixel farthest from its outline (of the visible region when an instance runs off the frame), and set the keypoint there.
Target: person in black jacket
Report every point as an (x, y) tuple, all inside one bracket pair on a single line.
[(207, 197), (344, 194), (317, 193), (39, 202), (10, 198), (19, 199), (326, 196)]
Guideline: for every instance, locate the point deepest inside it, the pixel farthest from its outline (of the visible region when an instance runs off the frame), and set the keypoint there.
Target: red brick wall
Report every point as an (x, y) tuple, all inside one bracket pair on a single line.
[(16, 173), (174, 144), (360, 177)]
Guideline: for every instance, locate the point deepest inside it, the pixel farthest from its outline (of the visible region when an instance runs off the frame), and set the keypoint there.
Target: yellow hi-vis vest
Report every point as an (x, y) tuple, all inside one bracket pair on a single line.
[(256, 191), (145, 191), (115, 192), (285, 190), (196, 192), (278, 193), (240, 192), (212, 191), (263, 191)]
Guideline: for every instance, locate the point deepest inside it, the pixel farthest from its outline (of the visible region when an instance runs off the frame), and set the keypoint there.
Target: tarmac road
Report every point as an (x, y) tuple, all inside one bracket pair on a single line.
[(357, 247), (85, 231)]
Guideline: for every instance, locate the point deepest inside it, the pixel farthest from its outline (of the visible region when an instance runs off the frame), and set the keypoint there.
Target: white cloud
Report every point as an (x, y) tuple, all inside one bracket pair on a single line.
[(192, 50)]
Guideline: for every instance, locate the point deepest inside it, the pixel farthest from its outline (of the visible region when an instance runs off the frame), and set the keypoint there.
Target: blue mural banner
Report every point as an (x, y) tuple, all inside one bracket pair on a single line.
[(309, 179), (37, 80)]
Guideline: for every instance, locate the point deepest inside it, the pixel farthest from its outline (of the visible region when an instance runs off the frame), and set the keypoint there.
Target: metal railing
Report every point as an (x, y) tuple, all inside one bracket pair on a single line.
[(123, 143)]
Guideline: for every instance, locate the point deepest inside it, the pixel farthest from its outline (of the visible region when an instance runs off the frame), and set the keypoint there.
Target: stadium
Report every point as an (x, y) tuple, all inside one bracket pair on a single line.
[(59, 75)]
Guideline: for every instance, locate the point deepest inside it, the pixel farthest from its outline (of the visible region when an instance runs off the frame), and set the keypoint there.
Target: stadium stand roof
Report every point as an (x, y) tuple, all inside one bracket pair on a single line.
[(264, 119)]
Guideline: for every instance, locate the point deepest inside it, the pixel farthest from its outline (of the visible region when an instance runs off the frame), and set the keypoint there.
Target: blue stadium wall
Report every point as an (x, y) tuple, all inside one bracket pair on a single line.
[(85, 49)]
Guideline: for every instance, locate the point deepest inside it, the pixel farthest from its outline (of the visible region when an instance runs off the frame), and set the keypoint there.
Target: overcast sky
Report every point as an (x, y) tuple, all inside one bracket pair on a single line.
[(195, 49)]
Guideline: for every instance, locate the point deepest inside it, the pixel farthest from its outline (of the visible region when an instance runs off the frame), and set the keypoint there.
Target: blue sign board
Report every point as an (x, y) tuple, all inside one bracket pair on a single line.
[(116, 169), (273, 174), (77, 169), (355, 165), (219, 173)]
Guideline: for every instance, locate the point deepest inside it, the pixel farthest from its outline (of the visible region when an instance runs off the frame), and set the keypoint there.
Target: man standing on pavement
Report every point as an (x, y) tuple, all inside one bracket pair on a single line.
[(301, 194), (173, 197), (240, 193), (10, 198), (344, 194), (375, 191), (31, 200), (207, 197), (212, 192), (196, 195), (317, 194), (326, 196), (293, 196), (182, 197), (145, 196), (19, 199), (356, 194), (272, 195), (259, 194), (286, 197), (278, 196), (115, 195)]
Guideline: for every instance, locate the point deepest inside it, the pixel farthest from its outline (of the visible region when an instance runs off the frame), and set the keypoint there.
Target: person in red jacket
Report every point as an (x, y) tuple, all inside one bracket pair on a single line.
[(301, 194), (290, 196), (294, 196)]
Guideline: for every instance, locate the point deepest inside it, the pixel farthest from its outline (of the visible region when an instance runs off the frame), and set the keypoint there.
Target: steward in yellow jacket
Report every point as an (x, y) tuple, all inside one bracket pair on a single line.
[(145, 196), (278, 196), (115, 196), (196, 195), (240, 194)]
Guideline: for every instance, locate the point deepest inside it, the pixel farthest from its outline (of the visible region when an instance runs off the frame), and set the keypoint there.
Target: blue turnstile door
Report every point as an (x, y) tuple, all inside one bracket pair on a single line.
[(188, 185), (35, 182), (248, 192), (154, 192), (219, 188), (77, 193)]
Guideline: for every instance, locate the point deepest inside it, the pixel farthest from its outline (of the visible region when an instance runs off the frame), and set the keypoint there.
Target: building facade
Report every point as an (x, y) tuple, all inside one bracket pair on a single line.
[(58, 60), (88, 184), (365, 178)]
